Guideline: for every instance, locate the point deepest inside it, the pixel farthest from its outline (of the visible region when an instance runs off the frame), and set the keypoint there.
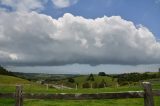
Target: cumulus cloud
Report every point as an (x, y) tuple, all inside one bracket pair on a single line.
[(64, 3), (23, 5), (30, 38)]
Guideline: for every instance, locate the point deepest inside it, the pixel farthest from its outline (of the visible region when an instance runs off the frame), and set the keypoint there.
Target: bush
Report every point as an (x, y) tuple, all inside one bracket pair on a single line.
[(101, 74), (90, 77), (86, 85), (71, 80), (123, 83), (95, 85), (102, 84)]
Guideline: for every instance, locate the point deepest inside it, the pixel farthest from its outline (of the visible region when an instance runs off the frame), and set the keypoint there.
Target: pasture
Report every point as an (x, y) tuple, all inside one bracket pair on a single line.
[(8, 86)]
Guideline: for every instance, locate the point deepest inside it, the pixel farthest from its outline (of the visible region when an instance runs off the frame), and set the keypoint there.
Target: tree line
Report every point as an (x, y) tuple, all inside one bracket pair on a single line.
[(4, 71), (126, 78)]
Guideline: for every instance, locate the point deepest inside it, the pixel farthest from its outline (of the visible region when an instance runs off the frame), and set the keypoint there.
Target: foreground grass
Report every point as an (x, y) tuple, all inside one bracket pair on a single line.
[(106, 102), (5, 87), (6, 102)]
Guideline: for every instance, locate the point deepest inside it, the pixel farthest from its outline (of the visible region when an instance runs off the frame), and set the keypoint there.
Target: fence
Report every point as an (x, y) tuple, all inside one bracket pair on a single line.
[(147, 94)]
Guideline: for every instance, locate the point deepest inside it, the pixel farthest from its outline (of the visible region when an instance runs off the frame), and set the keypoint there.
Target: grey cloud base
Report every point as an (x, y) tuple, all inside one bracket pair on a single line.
[(33, 39)]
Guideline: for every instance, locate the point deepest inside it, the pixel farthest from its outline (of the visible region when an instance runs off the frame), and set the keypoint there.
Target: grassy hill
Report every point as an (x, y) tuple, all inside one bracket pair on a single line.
[(8, 83), (97, 79), (80, 80), (4, 79)]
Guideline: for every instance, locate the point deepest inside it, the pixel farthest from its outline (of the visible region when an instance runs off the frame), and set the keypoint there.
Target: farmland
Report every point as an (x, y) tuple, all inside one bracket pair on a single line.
[(8, 86)]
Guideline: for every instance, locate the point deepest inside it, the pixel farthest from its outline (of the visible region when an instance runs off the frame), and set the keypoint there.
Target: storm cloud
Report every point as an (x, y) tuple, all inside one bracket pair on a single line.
[(34, 39)]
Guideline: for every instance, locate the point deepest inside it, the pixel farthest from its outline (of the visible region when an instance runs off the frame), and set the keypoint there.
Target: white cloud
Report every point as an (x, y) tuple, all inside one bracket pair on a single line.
[(30, 38), (64, 3), (24, 5), (13, 56)]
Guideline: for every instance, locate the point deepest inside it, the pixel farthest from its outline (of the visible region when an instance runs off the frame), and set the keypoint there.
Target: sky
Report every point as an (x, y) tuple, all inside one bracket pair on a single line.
[(80, 36)]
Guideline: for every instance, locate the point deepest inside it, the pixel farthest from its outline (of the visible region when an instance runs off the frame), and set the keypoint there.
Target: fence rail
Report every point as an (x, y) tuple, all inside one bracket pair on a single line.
[(147, 94)]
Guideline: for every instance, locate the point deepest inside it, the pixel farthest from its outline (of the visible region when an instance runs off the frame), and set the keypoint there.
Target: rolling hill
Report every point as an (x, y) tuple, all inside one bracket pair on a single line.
[(4, 79), (82, 79)]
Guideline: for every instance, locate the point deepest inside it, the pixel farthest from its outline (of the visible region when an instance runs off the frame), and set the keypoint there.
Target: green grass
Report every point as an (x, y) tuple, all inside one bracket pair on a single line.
[(97, 79), (7, 102), (107, 102), (30, 87), (103, 102), (4, 79), (37, 88)]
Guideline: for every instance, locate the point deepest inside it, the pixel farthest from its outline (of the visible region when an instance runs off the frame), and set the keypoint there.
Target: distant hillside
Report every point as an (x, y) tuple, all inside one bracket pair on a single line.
[(83, 80), (4, 79), (43, 76), (126, 78), (4, 71), (97, 79)]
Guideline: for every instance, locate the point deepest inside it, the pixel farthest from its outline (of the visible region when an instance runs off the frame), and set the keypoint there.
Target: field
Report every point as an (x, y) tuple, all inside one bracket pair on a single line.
[(4, 79), (8, 85), (97, 79), (106, 102)]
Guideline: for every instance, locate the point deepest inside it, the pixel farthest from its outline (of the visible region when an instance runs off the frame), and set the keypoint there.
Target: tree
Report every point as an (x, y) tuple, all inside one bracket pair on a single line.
[(71, 80), (90, 78), (4, 71), (101, 74)]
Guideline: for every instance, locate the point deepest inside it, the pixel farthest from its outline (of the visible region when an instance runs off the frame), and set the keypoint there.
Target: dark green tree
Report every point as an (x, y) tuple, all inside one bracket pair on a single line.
[(90, 77), (4, 71), (101, 74), (71, 80)]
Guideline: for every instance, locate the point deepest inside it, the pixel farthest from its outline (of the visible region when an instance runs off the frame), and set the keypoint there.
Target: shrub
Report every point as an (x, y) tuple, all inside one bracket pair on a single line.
[(101, 74), (95, 85), (86, 85), (102, 84), (90, 77), (71, 80)]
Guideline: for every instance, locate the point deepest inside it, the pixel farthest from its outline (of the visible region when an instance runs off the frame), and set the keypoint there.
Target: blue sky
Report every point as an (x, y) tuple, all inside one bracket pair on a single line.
[(80, 36)]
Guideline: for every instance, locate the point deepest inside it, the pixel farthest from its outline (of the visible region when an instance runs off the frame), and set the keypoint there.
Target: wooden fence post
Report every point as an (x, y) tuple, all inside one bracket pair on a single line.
[(148, 96), (47, 86), (76, 86), (18, 96)]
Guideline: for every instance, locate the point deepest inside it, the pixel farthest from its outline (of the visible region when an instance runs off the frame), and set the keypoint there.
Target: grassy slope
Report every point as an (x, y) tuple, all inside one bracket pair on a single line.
[(39, 88), (97, 79), (82, 79), (36, 88), (4, 79), (8, 83)]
